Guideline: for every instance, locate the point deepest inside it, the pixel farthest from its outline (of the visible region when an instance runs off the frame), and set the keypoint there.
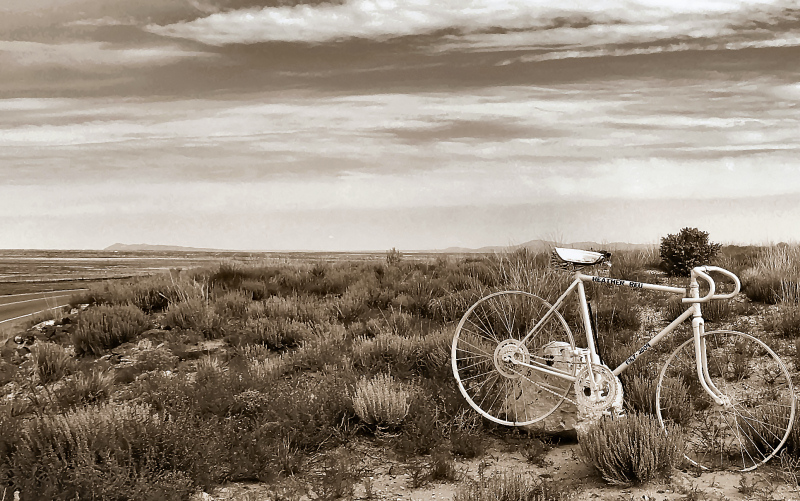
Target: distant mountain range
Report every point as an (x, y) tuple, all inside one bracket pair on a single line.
[(533, 245), (546, 245), (164, 248)]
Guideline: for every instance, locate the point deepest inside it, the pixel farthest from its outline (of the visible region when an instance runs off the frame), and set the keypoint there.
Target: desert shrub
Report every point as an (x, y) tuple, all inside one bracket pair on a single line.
[(155, 359), (785, 321), (422, 354), (466, 444), (340, 473), (393, 257), (440, 468), (86, 387), (774, 276), (327, 348), (764, 287), (632, 265), (51, 362), (422, 430), (763, 430), (640, 392), (274, 333), (633, 449), (233, 304), (511, 486), (484, 271), (312, 409), (381, 401), (257, 290), (683, 251), (307, 309), (197, 315), (105, 327), (450, 307), (150, 294), (527, 271), (95, 452), (617, 311)]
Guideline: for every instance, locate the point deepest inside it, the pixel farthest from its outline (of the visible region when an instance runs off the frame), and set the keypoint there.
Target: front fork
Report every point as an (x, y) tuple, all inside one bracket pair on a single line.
[(700, 352)]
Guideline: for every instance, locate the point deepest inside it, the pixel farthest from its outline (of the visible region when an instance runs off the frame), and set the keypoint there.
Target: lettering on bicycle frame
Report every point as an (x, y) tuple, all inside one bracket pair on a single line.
[(633, 357), (616, 281)]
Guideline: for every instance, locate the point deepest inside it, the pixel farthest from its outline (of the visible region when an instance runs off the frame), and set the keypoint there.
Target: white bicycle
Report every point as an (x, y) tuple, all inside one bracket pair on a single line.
[(516, 362)]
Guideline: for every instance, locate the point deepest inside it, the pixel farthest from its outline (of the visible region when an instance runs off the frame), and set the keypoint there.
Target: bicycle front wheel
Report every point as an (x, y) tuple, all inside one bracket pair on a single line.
[(489, 333), (755, 418)]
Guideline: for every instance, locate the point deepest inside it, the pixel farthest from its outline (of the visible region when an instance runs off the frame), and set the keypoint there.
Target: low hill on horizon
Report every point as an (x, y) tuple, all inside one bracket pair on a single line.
[(164, 248)]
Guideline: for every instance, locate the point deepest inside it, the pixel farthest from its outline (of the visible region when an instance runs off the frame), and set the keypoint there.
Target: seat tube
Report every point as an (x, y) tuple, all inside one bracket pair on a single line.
[(595, 359)]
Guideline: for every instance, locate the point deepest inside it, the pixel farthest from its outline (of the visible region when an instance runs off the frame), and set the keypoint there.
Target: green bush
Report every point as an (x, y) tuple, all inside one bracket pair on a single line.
[(104, 327), (683, 251), (632, 449)]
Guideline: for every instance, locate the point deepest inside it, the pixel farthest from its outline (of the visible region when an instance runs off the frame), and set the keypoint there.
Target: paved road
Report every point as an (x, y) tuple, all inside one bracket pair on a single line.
[(19, 306)]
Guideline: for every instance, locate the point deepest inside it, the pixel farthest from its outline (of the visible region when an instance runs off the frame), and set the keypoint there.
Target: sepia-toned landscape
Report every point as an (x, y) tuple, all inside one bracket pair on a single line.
[(200, 376)]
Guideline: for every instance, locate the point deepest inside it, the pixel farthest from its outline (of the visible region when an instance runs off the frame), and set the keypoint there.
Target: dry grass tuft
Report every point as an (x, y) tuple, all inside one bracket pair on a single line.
[(381, 401)]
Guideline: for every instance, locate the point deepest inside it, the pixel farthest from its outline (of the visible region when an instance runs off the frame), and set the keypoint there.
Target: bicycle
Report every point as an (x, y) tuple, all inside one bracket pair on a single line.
[(515, 361)]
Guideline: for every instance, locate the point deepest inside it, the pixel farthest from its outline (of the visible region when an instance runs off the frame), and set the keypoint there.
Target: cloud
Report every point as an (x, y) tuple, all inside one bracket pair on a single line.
[(570, 24), (21, 53)]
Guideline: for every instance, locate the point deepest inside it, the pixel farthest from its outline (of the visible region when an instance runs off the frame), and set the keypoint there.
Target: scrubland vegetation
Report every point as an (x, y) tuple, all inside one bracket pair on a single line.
[(168, 384)]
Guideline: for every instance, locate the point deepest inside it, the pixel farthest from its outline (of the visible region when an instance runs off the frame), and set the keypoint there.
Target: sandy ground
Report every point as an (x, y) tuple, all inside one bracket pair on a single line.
[(385, 478)]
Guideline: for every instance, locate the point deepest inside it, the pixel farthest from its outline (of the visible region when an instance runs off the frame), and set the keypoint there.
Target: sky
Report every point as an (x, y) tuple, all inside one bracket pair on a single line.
[(414, 124)]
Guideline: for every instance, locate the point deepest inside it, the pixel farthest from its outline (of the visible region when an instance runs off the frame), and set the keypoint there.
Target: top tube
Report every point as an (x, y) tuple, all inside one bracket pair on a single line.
[(630, 283)]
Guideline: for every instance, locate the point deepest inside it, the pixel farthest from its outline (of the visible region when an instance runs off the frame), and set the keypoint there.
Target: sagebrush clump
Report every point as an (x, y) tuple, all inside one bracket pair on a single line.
[(105, 327), (632, 449)]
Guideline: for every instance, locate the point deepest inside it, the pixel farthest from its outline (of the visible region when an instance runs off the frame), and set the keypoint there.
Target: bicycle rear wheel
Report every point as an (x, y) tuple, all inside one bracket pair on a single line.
[(747, 430), (490, 331)]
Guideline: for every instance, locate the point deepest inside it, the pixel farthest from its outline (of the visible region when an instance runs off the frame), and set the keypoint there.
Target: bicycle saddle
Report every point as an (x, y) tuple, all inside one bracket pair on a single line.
[(580, 257)]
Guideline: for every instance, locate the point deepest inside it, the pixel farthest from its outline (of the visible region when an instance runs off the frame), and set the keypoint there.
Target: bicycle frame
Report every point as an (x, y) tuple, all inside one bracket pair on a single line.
[(693, 310)]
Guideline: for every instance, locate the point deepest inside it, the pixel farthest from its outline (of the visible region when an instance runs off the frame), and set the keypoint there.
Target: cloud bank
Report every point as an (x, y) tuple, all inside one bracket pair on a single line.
[(493, 24)]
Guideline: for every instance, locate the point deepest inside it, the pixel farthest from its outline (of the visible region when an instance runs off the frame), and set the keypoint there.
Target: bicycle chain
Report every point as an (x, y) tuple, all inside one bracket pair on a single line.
[(573, 402)]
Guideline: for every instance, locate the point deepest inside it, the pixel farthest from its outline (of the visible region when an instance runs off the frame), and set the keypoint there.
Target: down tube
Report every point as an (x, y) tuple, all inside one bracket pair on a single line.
[(654, 341)]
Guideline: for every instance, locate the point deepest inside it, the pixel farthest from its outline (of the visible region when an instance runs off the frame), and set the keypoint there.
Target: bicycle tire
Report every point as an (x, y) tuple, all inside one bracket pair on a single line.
[(505, 393), (744, 433)]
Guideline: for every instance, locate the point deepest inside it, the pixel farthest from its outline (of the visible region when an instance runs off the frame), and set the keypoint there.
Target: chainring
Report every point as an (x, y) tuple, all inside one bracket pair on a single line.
[(608, 392)]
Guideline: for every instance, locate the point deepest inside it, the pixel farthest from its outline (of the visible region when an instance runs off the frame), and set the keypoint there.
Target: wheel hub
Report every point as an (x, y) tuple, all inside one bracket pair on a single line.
[(505, 355)]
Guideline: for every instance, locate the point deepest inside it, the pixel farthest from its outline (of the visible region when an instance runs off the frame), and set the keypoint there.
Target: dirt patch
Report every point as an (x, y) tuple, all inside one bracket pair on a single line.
[(384, 477)]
